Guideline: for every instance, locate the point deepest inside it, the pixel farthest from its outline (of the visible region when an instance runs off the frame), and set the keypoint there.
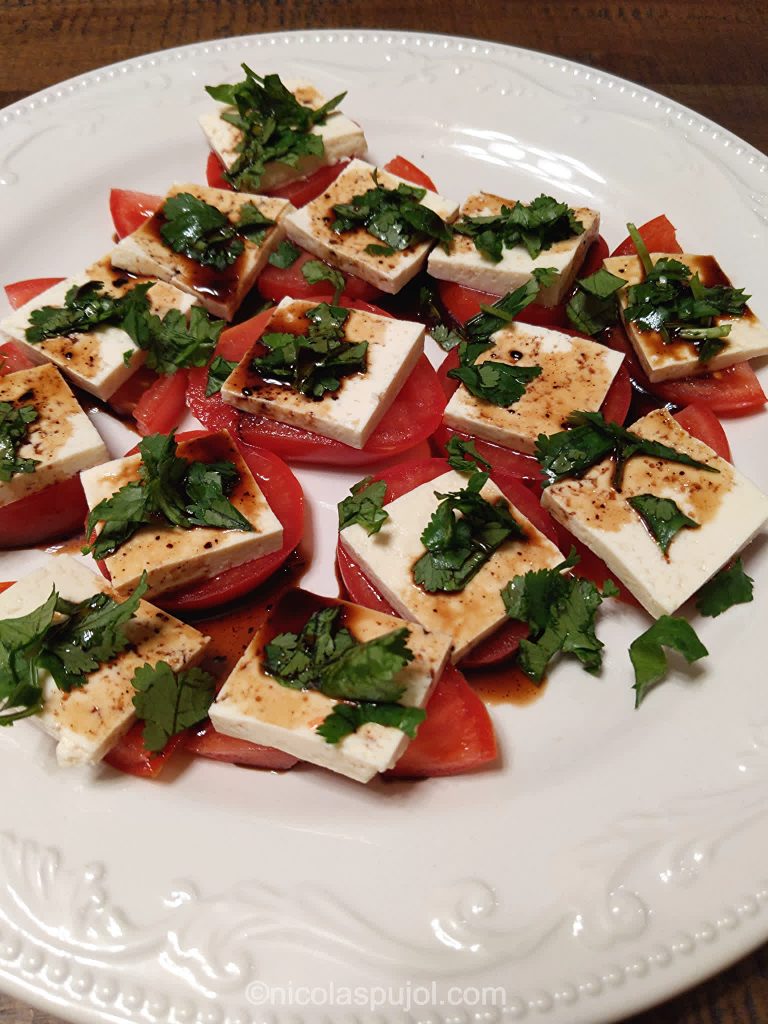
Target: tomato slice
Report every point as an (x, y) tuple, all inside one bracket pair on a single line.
[(13, 358), (456, 736), (593, 261), (277, 283), (701, 422), (658, 234), (21, 292), (734, 391), (55, 511), (129, 754), (405, 169), (206, 742), (306, 189), (161, 406), (619, 398), (130, 209), (214, 173), (123, 402), (524, 467), (286, 499)]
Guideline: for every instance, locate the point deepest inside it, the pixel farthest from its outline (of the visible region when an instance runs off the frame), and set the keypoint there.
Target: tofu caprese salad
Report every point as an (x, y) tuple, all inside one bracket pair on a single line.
[(567, 452)]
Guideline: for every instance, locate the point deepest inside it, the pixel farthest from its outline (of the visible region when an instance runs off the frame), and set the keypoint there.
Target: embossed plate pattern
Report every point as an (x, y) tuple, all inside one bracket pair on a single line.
[(615, 856)]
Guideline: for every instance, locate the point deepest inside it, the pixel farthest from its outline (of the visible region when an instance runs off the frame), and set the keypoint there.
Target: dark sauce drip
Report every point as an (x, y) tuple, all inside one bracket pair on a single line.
[(216, 284)]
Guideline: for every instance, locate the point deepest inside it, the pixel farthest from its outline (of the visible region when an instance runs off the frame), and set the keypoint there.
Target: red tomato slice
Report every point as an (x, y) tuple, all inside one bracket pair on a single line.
[(593, 261), (161, 407), (276, 284), (4, 586), (130, 209), (56, 511), (13, 358), (498, 647), (523, 467), (129, 754), (405, 169), (619, 398), (206, 742), (731, 392), (306, 189), (214, 173), (592, 568), (123, 402), (658, 234), (286, 499), (456, 736), (701, 422), (21, 292)]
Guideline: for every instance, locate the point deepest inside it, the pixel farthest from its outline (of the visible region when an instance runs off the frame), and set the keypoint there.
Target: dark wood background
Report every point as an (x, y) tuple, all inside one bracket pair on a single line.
[(709, 54)]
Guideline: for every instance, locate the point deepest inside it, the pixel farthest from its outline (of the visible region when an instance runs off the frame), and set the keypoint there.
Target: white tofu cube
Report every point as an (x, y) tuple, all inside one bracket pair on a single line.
[(254, 706), (220, 291), (728, 508), (88, 721), (748, 338), (470, 615), (93, 360), (575, 374), (174, 557), (352, 413), (62, 439), (341, 137), (310, 227), (467, 266)]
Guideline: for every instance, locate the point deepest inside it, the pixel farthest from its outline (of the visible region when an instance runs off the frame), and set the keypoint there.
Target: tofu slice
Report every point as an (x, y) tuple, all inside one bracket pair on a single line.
[(220, 291), (88, 722), (173, 557), (310, 227), (253, 706), (62, 438), (576, 374), (341, 137), (748, 338), (728, 507), (94, 360), (465, 265), (387, 558), (352, 413)]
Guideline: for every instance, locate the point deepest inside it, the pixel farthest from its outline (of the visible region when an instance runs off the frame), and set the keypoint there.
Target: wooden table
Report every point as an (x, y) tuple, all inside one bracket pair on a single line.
[(708, 54)]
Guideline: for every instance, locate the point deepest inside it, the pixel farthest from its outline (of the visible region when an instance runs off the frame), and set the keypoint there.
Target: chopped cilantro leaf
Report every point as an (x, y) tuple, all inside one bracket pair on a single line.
[(464, 457), (285, 255), (457, 547), (560, 611), (86, 307), (218, 372), (170, 491), (169, 702), (536, 226), (365, 505), (315, 271), (446, 337), (313, 363), (480, 327), (663, 518), (252, 223), (200, 232), (499, 383), (593, 306), (15, 421), (275, 127), (570, 453), (728, 587), (647, 655), (348, 718), (173, 343)]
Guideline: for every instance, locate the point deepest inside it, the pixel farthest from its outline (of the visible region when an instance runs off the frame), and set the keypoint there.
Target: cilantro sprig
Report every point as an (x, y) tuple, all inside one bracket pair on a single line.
[(458, 546), (570, 453), (560, 611), (365, 505), (202, 233), (396, 216), (15, 421), (285, 255), (594, 306), (170, 491), (648, 657), (536, 226), (169, 702), (728, 587), (315, 271), (464, 457), (663, 517), (218, 372), (316, 362), (275, 127), (68, 640)]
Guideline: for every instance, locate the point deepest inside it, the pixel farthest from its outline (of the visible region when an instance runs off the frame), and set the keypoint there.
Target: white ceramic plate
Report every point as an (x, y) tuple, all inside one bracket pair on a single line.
[(615, 857)]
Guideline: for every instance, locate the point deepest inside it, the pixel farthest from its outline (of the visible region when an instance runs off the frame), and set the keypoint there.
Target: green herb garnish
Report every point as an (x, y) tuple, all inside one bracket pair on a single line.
[(728, 587), (560, 611), (169, 702), (68, 640), (87, 306), (348, 718), (173, 342), (315, 271), (536, 226), (365, 505), (203, 233), (570, 453), (170, 491), (491, 318), (464, 457), (593, 306), (313, 363), (647, 652), (499, 383), (395, 216), (663, 518), (218, 372), (285, 255), (275, 127), (457, 547), (15, 421)]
